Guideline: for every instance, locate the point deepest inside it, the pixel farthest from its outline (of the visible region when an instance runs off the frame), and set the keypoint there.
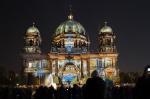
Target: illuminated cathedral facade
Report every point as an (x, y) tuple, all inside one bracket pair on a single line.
[(69, 59)]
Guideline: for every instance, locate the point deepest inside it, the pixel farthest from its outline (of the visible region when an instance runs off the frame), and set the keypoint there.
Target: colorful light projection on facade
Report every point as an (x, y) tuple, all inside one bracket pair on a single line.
[(70, 58), (69, 44), (37, 67)]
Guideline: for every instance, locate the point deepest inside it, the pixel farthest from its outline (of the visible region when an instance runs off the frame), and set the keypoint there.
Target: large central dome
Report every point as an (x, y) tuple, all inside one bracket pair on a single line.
[(70, 38), (70, 26)]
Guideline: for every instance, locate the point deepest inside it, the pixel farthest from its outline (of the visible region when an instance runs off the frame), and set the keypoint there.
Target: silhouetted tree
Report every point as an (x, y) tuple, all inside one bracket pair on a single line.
[(3, 76), (129, 77)]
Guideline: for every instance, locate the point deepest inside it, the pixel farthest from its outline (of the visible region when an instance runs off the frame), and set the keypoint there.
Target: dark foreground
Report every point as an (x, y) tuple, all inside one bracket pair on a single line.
[(87, 91), (95, 88)]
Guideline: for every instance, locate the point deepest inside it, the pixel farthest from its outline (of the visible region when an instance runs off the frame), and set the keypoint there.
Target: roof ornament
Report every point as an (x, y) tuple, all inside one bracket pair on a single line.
[(33, 24), (105, 23), (70, 17)]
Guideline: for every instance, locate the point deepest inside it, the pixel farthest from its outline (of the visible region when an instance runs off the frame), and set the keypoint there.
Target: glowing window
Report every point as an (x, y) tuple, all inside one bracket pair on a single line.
[(69, 44), (30, 65)]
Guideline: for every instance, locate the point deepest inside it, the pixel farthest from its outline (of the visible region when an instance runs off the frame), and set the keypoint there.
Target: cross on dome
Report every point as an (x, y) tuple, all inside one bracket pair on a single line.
[(70, 17), (105, 23), (33, 24)]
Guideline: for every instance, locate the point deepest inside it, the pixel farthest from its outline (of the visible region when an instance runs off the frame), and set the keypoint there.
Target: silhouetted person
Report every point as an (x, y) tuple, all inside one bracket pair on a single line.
[(41, 93), (142, 88), (68, 92), (51, 91), (115, 93), (61, 92), (76, 92), (95, 87)]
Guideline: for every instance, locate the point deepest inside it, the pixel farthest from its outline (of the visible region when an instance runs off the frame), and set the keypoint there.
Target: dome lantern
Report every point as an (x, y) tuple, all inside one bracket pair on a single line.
[(70, 17)]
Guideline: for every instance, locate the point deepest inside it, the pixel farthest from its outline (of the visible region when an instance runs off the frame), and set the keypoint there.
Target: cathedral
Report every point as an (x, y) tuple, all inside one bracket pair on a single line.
[(69, 60)]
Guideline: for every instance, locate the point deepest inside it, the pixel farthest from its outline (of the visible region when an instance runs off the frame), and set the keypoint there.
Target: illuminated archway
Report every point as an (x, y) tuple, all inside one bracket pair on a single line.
[(70, 72)]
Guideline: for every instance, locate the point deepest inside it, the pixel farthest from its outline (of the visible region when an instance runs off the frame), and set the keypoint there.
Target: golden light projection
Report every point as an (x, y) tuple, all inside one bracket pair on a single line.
[(93, 64), (107, 62), (110, 72)]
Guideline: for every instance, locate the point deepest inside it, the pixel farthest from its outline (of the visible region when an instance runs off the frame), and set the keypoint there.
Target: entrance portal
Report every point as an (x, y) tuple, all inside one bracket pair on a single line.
[(70, 73)]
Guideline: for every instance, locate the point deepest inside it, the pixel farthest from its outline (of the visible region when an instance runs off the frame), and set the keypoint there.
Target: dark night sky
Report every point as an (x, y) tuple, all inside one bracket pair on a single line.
[(129, 19)]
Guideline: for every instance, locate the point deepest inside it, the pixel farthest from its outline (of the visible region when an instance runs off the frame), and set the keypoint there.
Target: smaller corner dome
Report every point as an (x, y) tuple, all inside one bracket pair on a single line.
[(32, 29), (106, 28)]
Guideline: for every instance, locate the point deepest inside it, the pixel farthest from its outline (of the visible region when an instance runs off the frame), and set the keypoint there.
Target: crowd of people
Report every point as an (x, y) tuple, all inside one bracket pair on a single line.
[(95, 88)]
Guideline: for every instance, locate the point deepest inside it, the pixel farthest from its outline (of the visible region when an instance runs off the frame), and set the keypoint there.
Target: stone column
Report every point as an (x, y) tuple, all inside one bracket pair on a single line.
[(88, 66), (81, 68), (56, 67), (50, 65)]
